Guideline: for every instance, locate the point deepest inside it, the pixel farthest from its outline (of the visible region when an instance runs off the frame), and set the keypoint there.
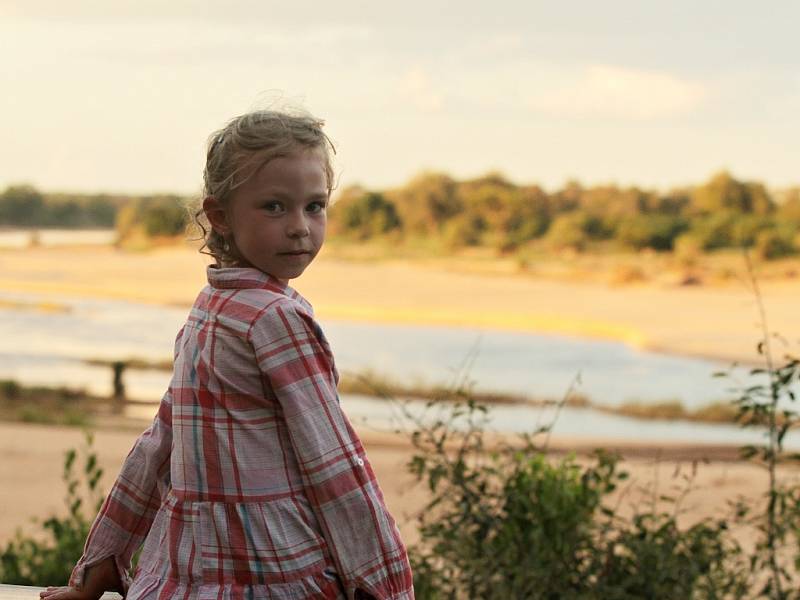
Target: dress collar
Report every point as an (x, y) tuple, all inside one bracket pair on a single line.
[(238, 278)]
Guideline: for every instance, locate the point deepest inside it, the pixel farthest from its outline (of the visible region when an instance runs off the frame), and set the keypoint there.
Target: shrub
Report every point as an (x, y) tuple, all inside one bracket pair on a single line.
[(163, 217), (159, 216), (687, 249), (465, 230), (714, 231), (574, 230), (48, 558), (510, 522), (650, 231), (367, 215), (771, 244)]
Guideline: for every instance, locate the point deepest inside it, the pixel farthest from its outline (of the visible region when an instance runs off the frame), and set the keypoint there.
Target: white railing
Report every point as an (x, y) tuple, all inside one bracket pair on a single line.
[(24, 592)]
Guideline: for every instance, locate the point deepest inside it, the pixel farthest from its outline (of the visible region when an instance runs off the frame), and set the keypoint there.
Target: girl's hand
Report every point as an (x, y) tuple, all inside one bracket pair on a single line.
[(97, 579), (66, 593)]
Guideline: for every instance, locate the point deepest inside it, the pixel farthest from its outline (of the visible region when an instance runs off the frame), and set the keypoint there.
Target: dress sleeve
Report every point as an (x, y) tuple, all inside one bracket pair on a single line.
[(362, 536), (130, 507)]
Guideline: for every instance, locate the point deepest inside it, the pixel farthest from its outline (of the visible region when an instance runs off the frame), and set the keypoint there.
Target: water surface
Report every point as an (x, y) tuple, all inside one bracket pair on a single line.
[(50, 348)]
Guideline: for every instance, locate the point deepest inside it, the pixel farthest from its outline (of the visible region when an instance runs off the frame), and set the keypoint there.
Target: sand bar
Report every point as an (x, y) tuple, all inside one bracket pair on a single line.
[(710, 321)]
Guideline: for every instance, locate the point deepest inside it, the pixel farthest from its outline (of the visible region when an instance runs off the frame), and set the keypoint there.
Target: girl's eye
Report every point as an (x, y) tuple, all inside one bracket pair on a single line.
[(316, 207), (273, 207)]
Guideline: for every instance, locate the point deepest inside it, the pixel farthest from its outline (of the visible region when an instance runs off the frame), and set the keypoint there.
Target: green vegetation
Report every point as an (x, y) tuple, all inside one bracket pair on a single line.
[(54, 406), (48, 558), (134, 217), (24, 206), (509, 521), (142, 219), (773, 403), (439, 213)]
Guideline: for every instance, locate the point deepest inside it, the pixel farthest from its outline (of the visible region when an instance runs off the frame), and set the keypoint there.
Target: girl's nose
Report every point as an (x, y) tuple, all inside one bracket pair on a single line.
[(297, 226)]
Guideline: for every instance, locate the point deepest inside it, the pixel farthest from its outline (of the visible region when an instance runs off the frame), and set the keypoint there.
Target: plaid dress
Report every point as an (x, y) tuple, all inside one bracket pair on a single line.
[(250, 482)]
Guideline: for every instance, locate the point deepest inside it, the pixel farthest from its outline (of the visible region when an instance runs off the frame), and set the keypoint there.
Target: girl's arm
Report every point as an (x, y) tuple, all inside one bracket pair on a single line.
[(362, 537), (130, 507)]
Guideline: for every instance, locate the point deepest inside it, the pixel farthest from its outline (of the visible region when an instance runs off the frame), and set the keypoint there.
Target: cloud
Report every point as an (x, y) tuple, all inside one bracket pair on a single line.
[(607, 91), (417, 88)]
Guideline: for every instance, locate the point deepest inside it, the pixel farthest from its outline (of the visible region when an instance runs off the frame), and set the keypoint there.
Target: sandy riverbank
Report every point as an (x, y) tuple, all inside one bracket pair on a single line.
[(30, 472), (711, 321)]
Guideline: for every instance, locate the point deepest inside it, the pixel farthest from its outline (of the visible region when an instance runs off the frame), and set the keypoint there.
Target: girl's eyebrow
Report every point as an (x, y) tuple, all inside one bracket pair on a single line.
[(286, 196)]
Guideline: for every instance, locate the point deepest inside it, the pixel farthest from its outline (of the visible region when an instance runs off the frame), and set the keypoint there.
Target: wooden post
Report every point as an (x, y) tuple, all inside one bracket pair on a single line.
[(118, 396)]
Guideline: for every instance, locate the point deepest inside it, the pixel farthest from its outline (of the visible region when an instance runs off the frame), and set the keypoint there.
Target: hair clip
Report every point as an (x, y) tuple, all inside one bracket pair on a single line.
[(217, 141)]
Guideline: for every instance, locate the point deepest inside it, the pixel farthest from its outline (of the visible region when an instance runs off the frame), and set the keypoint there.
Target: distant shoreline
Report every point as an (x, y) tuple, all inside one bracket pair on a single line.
[(716, 323)]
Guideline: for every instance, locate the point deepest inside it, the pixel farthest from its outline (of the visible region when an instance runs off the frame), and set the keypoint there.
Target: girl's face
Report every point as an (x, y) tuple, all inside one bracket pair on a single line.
[(276, 220)]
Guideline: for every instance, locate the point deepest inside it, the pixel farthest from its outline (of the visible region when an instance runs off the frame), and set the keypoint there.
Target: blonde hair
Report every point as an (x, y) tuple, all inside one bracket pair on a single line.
[(243, 146)]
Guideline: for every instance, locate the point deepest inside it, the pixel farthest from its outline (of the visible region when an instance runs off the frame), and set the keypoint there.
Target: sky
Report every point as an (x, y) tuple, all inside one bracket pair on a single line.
[(121, 96)]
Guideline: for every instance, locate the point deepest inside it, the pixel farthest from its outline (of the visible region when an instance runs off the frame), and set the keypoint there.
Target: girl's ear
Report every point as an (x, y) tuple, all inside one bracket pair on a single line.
[(216, 215)]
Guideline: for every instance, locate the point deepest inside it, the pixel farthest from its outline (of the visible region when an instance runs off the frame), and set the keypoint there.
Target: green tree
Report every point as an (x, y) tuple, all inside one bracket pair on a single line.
[(426, 202), (789, 209), (714, 230), (66, 214), (529, 216), (725, 193), (651, 231), (567, 198), (465, 230), (673, 202), (775, 243), (507, 215), (21, 205), (615, 203), (365, 215), (101, 211), (163, 216), (574, 230)]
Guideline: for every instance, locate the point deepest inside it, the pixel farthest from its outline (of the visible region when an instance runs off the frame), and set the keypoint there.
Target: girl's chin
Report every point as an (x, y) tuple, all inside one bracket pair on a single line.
[(285, 274)]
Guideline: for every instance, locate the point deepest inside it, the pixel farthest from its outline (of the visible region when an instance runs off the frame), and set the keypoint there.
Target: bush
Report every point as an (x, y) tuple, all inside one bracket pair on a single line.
[(10, 389), (161, 216), (48, 559), (465, 230), (510, 522), (771, 244), (574, 230), (367, 215), (687, 248), (650, 231), (164, 217), (714, 231)]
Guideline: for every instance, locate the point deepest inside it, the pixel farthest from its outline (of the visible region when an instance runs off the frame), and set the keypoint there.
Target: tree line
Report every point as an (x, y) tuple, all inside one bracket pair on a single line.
[(488, 211), (24, 206), (491, 211)]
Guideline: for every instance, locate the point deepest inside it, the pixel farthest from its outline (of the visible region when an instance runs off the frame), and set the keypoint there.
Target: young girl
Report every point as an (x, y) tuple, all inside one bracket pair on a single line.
[(250, 483)]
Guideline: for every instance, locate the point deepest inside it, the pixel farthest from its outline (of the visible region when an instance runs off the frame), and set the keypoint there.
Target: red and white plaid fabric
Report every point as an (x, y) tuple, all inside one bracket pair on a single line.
[(251, 482)]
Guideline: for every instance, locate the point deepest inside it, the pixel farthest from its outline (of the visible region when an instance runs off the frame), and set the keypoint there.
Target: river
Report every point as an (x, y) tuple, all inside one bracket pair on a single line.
[(46, 340)]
